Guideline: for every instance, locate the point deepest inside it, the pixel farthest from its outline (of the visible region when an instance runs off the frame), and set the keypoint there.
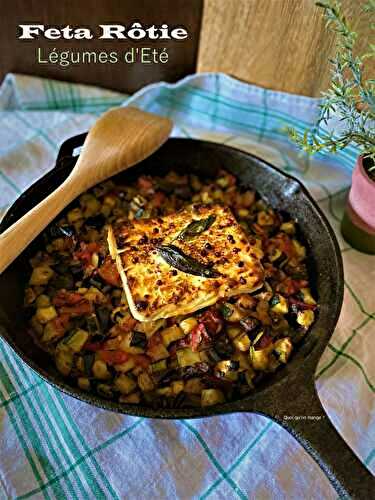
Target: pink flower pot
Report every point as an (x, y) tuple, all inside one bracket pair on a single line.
[(358, 224)]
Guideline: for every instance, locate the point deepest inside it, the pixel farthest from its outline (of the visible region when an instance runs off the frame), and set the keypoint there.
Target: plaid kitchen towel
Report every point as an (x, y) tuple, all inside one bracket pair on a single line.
[(53, 446)]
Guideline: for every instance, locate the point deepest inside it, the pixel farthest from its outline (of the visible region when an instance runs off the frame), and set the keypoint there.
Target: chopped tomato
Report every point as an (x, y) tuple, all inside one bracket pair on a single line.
[(64, 298), (154, 340), (113, 357), (93, 346), (79, 309), (86, 251), (108, 272), (60, 323), (212, 321), (290, 286), (141, 360)]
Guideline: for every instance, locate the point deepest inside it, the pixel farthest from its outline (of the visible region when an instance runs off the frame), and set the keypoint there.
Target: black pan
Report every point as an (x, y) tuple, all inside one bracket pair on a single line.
[(288, 397)]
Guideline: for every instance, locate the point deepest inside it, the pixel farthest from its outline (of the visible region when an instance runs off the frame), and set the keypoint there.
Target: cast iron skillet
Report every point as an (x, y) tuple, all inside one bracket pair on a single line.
[(289, 396)]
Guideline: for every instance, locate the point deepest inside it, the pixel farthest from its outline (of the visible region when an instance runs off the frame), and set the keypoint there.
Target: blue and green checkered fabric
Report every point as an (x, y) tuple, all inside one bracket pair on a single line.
[(53, 446)]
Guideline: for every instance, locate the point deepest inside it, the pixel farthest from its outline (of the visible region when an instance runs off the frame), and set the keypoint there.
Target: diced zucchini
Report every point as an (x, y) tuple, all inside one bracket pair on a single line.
[(227, 369), (212, 397), (125, 384), (83, 383), (171, 334), (51, 333), (232, 313), (186, 357), (100, 370), (305, 318), (188, 324), (159, 366), (165, 391), (283, 348), (275, 254), (299, 249), (307, 297), (110, 200), (125, 367), (45, 314), (260, 358), (64, 360), (177, 386), (90, 205), (194, 386), (242, 342), (279, 304), (288, 227), (43, 301), (74, 215), (145, 382), (234, 331), (133, 398), (76, 341), (158, 352), (41, 275)]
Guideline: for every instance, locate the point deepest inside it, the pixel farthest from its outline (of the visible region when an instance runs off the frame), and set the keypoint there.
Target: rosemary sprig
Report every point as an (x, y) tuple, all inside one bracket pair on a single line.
[(351, 96)]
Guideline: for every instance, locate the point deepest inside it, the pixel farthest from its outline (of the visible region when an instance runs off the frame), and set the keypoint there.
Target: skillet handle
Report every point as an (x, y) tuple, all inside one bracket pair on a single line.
[(310, 425)]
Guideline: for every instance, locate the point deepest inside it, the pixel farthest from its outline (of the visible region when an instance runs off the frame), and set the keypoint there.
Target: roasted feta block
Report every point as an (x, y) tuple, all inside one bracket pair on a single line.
[(179, 263)]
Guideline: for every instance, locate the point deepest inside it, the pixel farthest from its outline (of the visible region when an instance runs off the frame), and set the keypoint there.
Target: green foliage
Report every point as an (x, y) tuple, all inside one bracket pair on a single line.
[(350, 97)]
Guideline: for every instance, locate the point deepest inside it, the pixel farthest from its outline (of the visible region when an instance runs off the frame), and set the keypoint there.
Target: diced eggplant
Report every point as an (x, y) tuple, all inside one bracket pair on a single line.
[(138, 339), (105, 390), (92, 324), (96, 221)]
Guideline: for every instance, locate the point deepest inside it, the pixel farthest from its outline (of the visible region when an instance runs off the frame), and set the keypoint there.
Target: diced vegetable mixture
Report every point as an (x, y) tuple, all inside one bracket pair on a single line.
[(79, 314)]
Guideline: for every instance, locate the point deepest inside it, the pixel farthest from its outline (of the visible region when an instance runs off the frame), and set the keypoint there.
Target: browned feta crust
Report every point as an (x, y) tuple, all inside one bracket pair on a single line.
[(155, 289)]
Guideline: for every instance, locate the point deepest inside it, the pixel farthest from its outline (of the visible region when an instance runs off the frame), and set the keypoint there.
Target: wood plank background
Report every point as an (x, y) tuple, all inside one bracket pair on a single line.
[(19, 55), (278, 44)]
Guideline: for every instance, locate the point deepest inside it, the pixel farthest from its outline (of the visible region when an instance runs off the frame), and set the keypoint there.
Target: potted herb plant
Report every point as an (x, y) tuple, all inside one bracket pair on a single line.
[(351, 99)]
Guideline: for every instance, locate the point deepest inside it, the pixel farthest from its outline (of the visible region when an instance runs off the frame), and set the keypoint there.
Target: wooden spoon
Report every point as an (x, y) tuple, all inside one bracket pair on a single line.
[(119, 139)]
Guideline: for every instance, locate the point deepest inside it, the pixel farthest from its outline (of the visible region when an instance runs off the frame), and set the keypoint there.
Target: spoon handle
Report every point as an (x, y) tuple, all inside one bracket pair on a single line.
[(22, 232)]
